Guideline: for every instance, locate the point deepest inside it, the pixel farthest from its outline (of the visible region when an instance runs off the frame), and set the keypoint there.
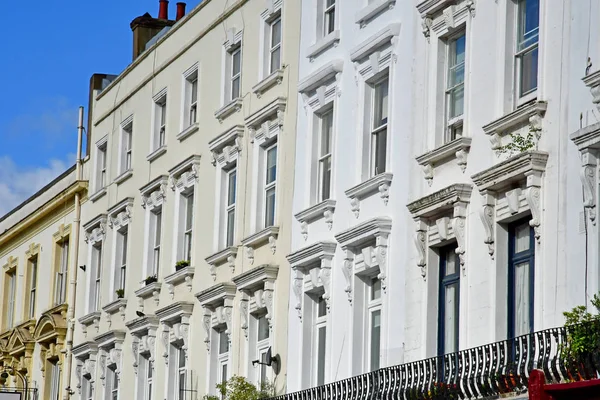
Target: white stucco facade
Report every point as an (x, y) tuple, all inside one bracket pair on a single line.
[(204, 182), (450, 184)]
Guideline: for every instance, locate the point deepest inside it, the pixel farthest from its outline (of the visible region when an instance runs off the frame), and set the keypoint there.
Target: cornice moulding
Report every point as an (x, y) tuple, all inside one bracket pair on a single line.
[(156, 153), (85, 349), (187, 132), (444, 152), (441, 200), (521, 115), (109, 339), (222, 256), (276, 106), (365, 231), (249, 280), (430, 7), (141, 325), (323, 74), (154, 184), (322, 44), (174, 312), (261, 237), (372, 10), (185, 165), (275, 78), (510, 170), (233, 106), (124, 176), (217, 294), (183, 275), (226, 138), (587, 138), (114, 306), (90, 318), (311, 254), (374, 42)]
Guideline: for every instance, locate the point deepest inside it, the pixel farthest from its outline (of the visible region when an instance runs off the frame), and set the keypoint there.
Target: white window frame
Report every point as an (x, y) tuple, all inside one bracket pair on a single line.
[(101, 164), (55, 375), (273, 47), (96, 277), (155, 232), (126, 146), (329, 11), (60, 289), (121, 257), (373, 306), (262, 347), (153, 196), (269, 186), (320, 324), (11, 276), (235, 76), (178, 371), (148, 382), (322, 158), (112, 384), (190, 101), (520, 53), (377, 131), (230, 208), (453, 125), (222, 357), (87, 389), (159, 138), (33, 271), (187, 202)]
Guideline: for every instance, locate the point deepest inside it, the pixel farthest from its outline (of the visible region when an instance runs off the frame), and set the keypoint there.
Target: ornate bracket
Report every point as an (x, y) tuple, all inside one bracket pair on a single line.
[(588, 179), (298, 280), (347, 270), (487, 218), (244, 314), (206, 324), (421, 244), (459, 227)]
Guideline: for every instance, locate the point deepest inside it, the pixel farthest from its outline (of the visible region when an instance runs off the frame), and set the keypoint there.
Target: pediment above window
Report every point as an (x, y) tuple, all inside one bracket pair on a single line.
[(268, 235), (257, 286), (311, 267), (443, 16), (227, 255), (185, 174), (439, 217), (322, 210), (267, 122), (457, 149), (226, 147), (85, 362), (95, 230), (111, 352), (154, 193), (175, 321), (321, 76), (143, 330), (120, 214), (527, 166), (528, 116), (367, 48), (217, 303)]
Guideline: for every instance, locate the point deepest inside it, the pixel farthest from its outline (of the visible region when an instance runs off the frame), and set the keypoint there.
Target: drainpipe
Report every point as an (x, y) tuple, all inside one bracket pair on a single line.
[(73, 266)]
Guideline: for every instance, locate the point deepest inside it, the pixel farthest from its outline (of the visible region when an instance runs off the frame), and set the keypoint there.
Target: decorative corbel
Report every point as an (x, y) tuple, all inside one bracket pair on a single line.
[(426, 27), (328, 215), (588, 179), (268, 301), (165, 341), (428, 173), (206, 324), (459, 227), (325, 277), (384, 192), (102, 366), (461, 158), (135, 349), (250, 254), (244, 314), (298, 280), (496, 141), (421, 243), (512, 200), (471, 7), (355, 206), (487, 218), (532, 195), (381, 245), (273, 244), (78, 375), (347, 270), (304, 229)]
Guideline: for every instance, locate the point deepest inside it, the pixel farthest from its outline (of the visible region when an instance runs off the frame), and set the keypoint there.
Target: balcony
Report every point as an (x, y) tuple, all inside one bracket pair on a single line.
[(489, 371)]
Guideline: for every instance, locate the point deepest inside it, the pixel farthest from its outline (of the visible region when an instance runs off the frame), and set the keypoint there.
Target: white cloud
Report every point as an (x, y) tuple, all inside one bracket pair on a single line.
[(17, 184)]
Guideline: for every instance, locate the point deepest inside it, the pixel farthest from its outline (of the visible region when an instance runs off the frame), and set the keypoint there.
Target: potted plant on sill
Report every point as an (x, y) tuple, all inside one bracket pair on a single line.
[(238, 388), (151, 279), (179, 265), (582, 342), (120, 293)]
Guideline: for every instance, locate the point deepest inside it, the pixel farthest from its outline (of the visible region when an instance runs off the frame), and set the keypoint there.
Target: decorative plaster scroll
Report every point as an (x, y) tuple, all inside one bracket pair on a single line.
[(533, 200), (136, 353), (458, 225), (156, 197), (120, 215), (420, 242), (250, 254), (102, 366), (487, 218), (461, 159), (325, 277), (347, 271), (206, 324), (298, 278), (381, 244), (471, 7), (244, 314), (588, 179), (426, 27), (95, 230), (165, 341), (268, 299)]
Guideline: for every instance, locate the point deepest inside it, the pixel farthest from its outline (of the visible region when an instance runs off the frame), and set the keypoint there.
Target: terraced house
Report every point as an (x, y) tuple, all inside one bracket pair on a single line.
[(37, 254), (185, 281)]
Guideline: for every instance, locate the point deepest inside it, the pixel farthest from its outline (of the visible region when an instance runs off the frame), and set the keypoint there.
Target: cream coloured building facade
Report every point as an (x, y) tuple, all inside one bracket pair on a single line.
[(187, 228)]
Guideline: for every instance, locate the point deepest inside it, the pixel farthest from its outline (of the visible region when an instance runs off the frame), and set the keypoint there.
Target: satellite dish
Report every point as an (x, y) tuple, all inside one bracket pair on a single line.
[(269, 358)]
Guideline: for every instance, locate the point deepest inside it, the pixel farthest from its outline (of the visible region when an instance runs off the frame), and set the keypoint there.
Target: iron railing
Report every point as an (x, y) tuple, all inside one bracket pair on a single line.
[(480, 372)]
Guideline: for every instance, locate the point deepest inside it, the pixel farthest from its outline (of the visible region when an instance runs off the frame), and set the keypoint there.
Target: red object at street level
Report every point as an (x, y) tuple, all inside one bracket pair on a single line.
[(579, 390), (163, 11), (180, 11)]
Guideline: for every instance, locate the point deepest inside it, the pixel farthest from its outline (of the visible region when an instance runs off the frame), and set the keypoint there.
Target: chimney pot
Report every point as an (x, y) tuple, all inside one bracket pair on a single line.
[(180, 10), (163, 11)]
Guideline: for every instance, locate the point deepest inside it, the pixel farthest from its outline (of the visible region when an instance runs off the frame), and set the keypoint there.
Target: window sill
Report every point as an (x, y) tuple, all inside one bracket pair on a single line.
[(324, 209), (332, 39), (156, 153), (380, 183), (98, 195), (233, 106), (90, 319), (511, 170), (114, 306), (258, 239), (273, 79), (124, 176), (593, 82), (457, 149), (151, 290), (531, 112), (373, 10), (228, 255), (187, 132), (183, 275)]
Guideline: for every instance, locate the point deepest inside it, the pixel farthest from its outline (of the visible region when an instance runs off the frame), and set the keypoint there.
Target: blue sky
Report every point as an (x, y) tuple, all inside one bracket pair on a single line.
[(48, 52)]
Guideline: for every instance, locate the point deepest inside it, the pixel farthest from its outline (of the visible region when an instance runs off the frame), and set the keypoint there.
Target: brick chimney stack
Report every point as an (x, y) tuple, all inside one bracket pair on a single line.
[(180, 11), (145, 27)]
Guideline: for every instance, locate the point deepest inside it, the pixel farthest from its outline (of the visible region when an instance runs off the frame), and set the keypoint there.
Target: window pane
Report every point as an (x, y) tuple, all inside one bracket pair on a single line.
[(270, 207), (236, 62), (322, 334), (450, 318), (224, 373), (325, 167), (276, 33), (375, 338), (263, 328), (124, 248), (326, 132), (275, 59), (529, 21), (529, 68), (230, 227), (194, 89), (181, 385), (522, 321), (158, 229), (321, 307), (380, 145), (380, 114), (271, 165), (375, 289), (457, 99), (181, 358), (189, 212), (223, 343), (231, 187), (450, 260), (522, 237)]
